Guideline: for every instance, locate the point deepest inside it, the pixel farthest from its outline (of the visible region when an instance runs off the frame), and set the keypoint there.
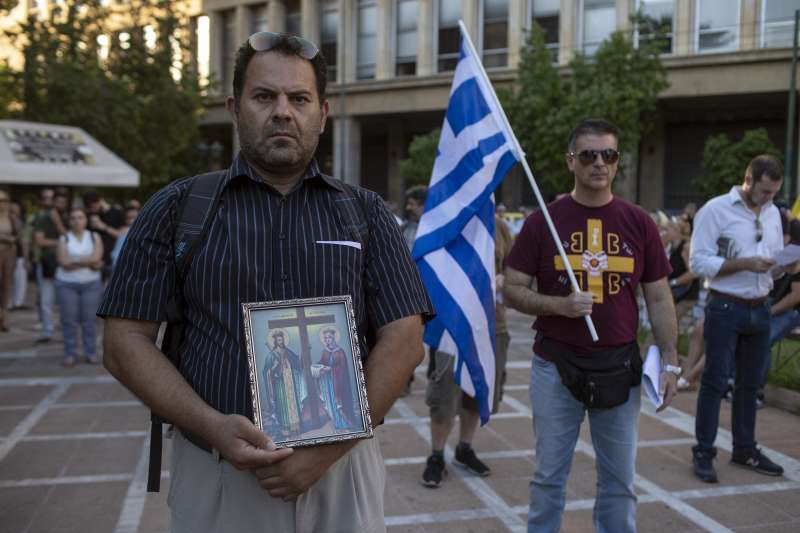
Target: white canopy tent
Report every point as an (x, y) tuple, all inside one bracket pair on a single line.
[(33, 153)]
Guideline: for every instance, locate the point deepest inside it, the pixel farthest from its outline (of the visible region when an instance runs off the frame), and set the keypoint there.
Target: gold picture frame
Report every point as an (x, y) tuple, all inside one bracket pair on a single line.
[(306, 377)]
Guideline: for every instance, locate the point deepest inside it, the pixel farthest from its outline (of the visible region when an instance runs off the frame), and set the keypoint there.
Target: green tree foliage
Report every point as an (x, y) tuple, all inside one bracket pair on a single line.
[(725, 161), (417, 168), (620, 83), (142, 101)]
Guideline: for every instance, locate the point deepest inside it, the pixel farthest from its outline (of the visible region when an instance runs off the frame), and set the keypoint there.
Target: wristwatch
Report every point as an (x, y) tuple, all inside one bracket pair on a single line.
[(673, 369)]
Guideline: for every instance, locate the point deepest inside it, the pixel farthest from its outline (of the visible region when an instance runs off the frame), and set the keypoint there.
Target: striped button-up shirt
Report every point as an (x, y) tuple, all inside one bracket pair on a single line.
[(261, 246)]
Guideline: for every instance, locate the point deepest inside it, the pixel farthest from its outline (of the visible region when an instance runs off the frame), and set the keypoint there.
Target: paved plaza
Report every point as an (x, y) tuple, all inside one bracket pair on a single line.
[(73, 458)]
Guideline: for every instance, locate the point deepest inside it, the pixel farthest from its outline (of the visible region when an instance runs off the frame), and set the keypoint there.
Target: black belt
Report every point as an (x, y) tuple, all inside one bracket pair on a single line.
[(750, 302)]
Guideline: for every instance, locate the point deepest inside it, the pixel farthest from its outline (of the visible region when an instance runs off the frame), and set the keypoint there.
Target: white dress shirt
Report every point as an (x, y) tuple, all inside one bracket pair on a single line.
[(728, 217)]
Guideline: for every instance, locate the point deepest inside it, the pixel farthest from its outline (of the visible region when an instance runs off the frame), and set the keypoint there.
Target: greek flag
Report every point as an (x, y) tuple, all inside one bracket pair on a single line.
[(454, 246)]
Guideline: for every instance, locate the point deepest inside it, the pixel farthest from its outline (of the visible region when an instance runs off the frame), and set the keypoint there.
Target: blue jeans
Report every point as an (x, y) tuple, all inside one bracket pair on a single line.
[(557, 418), (78, 304), (47, 299), (738, 334)]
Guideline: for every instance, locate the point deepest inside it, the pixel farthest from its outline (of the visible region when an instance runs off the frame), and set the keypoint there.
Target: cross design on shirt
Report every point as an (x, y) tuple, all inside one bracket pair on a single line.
[(593, 260)]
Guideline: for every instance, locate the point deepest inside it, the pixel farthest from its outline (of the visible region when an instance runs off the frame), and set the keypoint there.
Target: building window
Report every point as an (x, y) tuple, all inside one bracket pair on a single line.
[(294, 18), (545, 13), (495, 33), (449, 35), (229, 46), (329, 32), (258, 19), (406, 58), (367, 39), (599, 21), (777, 23), (717, 25), (655, 21)]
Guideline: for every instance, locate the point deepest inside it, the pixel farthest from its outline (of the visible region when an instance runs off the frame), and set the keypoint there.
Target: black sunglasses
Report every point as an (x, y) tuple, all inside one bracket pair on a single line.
[(264, 41), (759, 230), (587, 157)]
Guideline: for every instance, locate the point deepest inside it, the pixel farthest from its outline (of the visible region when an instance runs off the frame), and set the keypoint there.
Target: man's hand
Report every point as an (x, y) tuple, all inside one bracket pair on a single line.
[(294, 475), (758, 263), (669, 388), (243, 445), (577, 304)]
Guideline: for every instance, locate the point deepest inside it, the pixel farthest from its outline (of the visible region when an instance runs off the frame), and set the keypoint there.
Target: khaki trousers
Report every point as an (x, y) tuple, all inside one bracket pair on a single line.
[(208, 495)]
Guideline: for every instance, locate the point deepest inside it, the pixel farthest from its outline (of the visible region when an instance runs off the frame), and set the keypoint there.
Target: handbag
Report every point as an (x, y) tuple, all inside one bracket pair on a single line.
[(49, 264), (601, 380)]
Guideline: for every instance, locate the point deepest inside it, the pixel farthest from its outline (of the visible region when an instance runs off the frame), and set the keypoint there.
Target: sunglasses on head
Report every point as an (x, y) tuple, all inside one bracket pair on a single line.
[(587, 157), (264, 41)]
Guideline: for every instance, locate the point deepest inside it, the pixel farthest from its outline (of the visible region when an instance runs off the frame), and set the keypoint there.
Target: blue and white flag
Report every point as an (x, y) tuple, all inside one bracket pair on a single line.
[(454, 246)]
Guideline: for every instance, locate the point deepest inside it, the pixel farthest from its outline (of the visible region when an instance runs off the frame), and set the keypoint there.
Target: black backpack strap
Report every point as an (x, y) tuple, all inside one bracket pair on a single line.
[(195, 213), (355, 214)]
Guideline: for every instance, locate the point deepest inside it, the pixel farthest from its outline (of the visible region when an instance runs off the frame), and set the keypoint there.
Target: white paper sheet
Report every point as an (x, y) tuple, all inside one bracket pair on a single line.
[(651, 376), (788, 255)]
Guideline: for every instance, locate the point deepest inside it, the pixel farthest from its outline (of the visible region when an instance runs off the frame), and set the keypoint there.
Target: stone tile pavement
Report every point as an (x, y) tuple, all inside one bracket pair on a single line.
[(73, 458)]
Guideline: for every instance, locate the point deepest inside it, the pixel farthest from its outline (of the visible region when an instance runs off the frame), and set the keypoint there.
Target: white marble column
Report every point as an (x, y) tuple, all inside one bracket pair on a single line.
[(276, 16), (216, 60), (347, 150), (347, 41), (242, 24), (684, 31), (517, 24), (310, 16), (568, 36), (748, 24), (470, 11), (625, 9), (425, 28), (384, 67)]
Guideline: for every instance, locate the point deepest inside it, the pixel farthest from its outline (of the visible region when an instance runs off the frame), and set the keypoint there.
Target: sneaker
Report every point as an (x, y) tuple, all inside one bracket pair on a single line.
[(760, 401), (434, 471), (703, 466), (755, 460), (465, 457)]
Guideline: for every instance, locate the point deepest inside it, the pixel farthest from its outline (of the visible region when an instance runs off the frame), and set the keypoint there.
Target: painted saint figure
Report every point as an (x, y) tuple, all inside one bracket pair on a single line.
[(286, 387), (335, 381)]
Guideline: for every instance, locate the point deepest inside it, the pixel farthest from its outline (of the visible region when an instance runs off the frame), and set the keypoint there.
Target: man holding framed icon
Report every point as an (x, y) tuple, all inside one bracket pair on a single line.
[(282, 232)]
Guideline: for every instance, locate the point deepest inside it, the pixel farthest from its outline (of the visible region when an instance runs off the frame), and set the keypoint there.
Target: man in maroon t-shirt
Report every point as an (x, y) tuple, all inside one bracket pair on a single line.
[(612, 246)]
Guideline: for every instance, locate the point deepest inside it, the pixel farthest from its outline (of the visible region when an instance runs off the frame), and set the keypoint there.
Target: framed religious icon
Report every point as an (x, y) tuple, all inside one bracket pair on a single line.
[(306, 377)]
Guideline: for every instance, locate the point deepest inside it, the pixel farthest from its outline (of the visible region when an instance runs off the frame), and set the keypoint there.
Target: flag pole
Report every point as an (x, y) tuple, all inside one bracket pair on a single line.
[(529, 173)]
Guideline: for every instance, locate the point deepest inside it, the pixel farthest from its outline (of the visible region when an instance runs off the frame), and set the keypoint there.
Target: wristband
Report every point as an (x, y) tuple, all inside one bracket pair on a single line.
[(672, 369)]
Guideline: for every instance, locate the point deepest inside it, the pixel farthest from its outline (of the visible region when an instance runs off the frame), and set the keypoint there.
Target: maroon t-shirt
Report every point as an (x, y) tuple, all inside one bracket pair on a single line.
[(611, 249)]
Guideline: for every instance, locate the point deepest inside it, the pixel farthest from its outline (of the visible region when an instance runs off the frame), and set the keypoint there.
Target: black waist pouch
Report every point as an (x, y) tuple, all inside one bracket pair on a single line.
[(601, 380)]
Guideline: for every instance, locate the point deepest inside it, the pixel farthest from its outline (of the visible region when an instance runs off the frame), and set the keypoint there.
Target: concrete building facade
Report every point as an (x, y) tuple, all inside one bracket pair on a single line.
[(728, 64)]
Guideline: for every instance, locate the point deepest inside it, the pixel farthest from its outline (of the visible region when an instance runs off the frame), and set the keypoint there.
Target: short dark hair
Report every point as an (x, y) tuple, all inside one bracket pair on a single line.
[(591, 126), (765, 164), (284, 45), (418, 193), (90, 197)]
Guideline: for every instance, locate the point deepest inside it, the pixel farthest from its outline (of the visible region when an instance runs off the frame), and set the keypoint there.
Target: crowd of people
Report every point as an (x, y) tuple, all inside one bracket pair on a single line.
[(67, 248), (288, 232)]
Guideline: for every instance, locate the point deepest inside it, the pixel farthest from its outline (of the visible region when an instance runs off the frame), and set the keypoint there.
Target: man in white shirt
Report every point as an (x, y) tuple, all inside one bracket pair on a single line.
[(735, 237)]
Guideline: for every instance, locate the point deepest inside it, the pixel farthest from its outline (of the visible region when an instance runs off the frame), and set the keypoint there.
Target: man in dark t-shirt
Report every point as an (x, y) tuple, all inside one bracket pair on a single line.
[(106, 220), (612, 247)]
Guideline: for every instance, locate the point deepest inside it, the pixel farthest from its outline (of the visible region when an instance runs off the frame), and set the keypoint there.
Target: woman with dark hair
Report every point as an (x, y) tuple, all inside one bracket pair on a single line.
[(79, 285)]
